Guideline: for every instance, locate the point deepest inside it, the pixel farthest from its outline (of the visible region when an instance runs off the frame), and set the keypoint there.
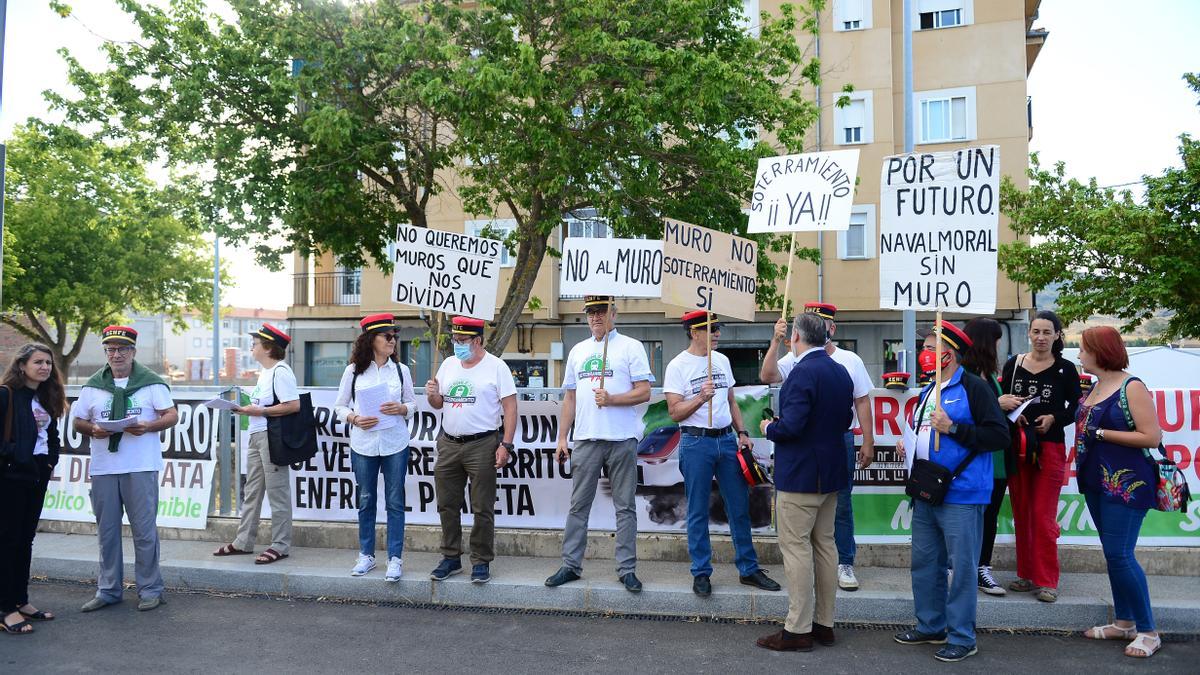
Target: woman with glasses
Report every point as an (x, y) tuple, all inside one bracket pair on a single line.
[(376, 398), (274, 395), (32, 400)]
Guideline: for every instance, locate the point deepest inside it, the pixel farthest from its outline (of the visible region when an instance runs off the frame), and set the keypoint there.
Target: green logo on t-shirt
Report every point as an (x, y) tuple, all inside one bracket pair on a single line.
[(592, 366), (460, 393)]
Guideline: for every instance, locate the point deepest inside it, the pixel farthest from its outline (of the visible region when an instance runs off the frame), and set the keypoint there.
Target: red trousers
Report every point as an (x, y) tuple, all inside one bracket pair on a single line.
[(1034, 492)]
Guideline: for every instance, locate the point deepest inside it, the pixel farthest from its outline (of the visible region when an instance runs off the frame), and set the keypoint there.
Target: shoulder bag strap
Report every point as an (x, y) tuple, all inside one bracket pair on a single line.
[(274, 396), (353, 382), (1123, 403)]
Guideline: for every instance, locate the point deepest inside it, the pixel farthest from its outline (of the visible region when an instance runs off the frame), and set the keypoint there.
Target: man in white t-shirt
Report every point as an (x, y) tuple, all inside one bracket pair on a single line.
[(776, 370), (473, 389), (125, 464), (708, 447), (607, 376)]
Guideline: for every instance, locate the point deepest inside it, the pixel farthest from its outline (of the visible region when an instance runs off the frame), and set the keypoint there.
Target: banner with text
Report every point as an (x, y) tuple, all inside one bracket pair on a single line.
[(938, 230), (533, 490), (185, 484), (808, 192), (707, 269), (626, 268), (446, 271)]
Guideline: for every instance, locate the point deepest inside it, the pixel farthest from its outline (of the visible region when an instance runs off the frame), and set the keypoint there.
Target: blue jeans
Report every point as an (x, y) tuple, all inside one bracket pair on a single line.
[(843, 523), (941, 535), (1118, 526), (700, 458), (366, 474)]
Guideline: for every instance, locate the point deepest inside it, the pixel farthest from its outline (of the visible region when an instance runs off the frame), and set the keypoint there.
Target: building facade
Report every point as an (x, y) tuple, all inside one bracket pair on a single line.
[(971, 59)]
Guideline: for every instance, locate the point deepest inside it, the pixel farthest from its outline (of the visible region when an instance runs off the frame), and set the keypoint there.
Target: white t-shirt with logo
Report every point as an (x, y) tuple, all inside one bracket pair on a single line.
[(626, 365), (853, 364), (472, 395), (42, 419), (687, 373), (285, 389), (135, 453)]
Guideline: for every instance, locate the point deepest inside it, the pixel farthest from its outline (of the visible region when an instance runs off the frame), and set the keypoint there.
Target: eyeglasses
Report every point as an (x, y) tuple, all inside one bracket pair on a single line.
[(117, 350), (390, 337), (461, 341)]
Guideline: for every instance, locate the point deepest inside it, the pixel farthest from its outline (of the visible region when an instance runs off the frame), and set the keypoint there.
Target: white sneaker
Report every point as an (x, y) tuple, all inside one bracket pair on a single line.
[(365, 564), (846, 579), (394, 570)]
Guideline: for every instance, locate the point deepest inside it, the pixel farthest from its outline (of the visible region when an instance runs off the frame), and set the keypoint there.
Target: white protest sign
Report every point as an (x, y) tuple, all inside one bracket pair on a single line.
[(707, 269), (446, 271), (938, 230), (628, 268), (809, 192)]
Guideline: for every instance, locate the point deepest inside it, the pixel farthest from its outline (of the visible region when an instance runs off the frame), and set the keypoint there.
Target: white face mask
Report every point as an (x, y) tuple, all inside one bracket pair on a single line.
[(463, 352)]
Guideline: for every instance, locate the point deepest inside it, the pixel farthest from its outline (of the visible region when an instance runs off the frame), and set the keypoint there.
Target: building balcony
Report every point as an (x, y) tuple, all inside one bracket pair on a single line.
[(342, 288)]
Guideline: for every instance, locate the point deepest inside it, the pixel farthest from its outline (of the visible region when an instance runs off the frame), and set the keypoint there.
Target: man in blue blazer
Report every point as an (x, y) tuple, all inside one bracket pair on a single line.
[(810, 467)]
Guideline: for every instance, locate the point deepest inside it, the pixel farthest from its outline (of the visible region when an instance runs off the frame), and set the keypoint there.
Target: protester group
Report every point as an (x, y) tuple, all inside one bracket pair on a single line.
[(959, 437)]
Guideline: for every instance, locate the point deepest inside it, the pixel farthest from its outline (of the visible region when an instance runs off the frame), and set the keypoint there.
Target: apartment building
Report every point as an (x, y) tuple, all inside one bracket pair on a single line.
[(971, 59)]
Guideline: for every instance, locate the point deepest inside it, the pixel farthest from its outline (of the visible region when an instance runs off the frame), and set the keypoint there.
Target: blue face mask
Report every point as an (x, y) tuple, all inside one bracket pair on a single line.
[(463, 352)]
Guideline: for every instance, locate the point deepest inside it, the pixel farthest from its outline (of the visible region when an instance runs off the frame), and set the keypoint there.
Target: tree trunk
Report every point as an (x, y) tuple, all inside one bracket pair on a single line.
[(530, 253)]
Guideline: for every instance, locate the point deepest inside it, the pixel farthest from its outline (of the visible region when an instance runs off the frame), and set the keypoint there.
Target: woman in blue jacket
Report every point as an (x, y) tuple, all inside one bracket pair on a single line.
[(31, 402), (948, 536)]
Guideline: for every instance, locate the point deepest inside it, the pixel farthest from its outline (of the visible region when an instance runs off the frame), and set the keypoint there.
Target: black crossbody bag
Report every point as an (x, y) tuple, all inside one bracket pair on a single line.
[(929, 481), (292, 439)]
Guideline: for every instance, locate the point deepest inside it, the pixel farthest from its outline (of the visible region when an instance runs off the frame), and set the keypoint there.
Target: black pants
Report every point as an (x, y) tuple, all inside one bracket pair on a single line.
[(990, 516), (20, 509)]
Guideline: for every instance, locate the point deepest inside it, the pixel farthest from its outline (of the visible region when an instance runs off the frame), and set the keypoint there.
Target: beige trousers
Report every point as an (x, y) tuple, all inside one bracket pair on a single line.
[(809, 557)]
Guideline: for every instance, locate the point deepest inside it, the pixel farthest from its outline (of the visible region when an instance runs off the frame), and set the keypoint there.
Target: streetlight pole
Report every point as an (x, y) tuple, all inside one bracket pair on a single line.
[(908, 324), (216, 353)]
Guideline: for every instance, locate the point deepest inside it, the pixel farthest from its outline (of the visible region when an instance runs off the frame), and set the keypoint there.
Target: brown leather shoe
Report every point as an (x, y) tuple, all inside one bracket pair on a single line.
[(786, 642), (823, 634)]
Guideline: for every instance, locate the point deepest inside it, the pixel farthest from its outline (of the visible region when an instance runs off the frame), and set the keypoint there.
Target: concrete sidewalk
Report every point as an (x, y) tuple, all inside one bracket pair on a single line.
[(517, 583)]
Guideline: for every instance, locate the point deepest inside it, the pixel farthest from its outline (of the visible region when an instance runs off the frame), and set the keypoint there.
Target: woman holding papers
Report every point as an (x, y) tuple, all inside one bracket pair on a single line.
[(274, 395), (32, 402), (1048, 386), (376, 398)]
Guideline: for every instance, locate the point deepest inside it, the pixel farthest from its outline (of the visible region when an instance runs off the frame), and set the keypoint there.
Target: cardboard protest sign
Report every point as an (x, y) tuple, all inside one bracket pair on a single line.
[(707, 269), (446, 271), (627, 268), (938, 230), (808, 192)]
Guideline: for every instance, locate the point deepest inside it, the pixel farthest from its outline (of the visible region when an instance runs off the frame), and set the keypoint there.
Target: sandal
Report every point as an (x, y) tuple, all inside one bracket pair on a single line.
[(228, 549), (1021, 586), (20, 628), (1047, 594), (269, 556), (1147, 644), (1103, 632), (37, 615)]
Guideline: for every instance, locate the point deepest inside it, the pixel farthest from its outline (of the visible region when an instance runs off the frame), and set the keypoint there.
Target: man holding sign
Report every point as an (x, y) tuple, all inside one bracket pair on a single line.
[(958, 423), (472, 388), (607, 375), (708, 447)]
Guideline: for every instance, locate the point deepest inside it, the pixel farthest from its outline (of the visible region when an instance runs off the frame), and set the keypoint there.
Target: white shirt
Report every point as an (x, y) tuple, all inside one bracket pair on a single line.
[(398, 379), (285, 388), (924, 431), (687, 373), (42, 419), (626, 365), (135, 453), (853, 364), (472, 395)]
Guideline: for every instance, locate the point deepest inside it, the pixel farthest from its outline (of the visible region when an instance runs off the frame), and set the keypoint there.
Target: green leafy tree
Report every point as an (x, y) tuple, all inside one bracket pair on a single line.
[(333, 122), (1111, 253), (89, 236)]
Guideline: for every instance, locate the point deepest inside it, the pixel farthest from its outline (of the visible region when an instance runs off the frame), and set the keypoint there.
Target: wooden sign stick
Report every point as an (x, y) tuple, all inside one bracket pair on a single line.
[(937, 387), (708, 339), (787, 284)]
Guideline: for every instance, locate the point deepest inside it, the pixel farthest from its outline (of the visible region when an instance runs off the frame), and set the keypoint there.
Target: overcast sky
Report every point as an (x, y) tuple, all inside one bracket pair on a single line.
[(1107, 94)]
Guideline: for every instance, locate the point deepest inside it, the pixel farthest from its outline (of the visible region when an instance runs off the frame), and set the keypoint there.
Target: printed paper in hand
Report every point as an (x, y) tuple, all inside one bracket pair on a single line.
[(116, 426), (220, 404), (1012, 416), (369, 401)]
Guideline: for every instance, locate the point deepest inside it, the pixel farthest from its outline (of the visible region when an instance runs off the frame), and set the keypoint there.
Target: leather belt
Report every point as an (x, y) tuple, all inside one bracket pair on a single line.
[(469, 437), (704, 431)]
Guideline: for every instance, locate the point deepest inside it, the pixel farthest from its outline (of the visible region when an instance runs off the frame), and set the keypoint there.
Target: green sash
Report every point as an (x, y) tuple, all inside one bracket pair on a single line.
[(139, 377)]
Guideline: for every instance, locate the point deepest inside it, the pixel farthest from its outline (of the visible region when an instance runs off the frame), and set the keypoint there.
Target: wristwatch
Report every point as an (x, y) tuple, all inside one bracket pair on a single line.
[(743, 432), (1099, 434), (507, 446), (953, 429)]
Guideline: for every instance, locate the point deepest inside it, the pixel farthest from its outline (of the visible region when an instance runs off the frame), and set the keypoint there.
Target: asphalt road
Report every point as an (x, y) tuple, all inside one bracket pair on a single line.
[(195, 633)]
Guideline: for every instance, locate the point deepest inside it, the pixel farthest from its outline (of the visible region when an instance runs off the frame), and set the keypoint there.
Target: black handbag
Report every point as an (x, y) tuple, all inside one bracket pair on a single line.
[(292, 438)]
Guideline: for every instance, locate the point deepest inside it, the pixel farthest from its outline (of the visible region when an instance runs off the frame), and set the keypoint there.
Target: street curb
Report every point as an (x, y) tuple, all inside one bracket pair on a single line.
[(603, 597)]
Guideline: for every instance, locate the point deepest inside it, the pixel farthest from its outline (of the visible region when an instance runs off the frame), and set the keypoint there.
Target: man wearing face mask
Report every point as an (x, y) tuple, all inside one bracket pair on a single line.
[(472, 389), (966, 427), (810, 470), (603, 384)]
